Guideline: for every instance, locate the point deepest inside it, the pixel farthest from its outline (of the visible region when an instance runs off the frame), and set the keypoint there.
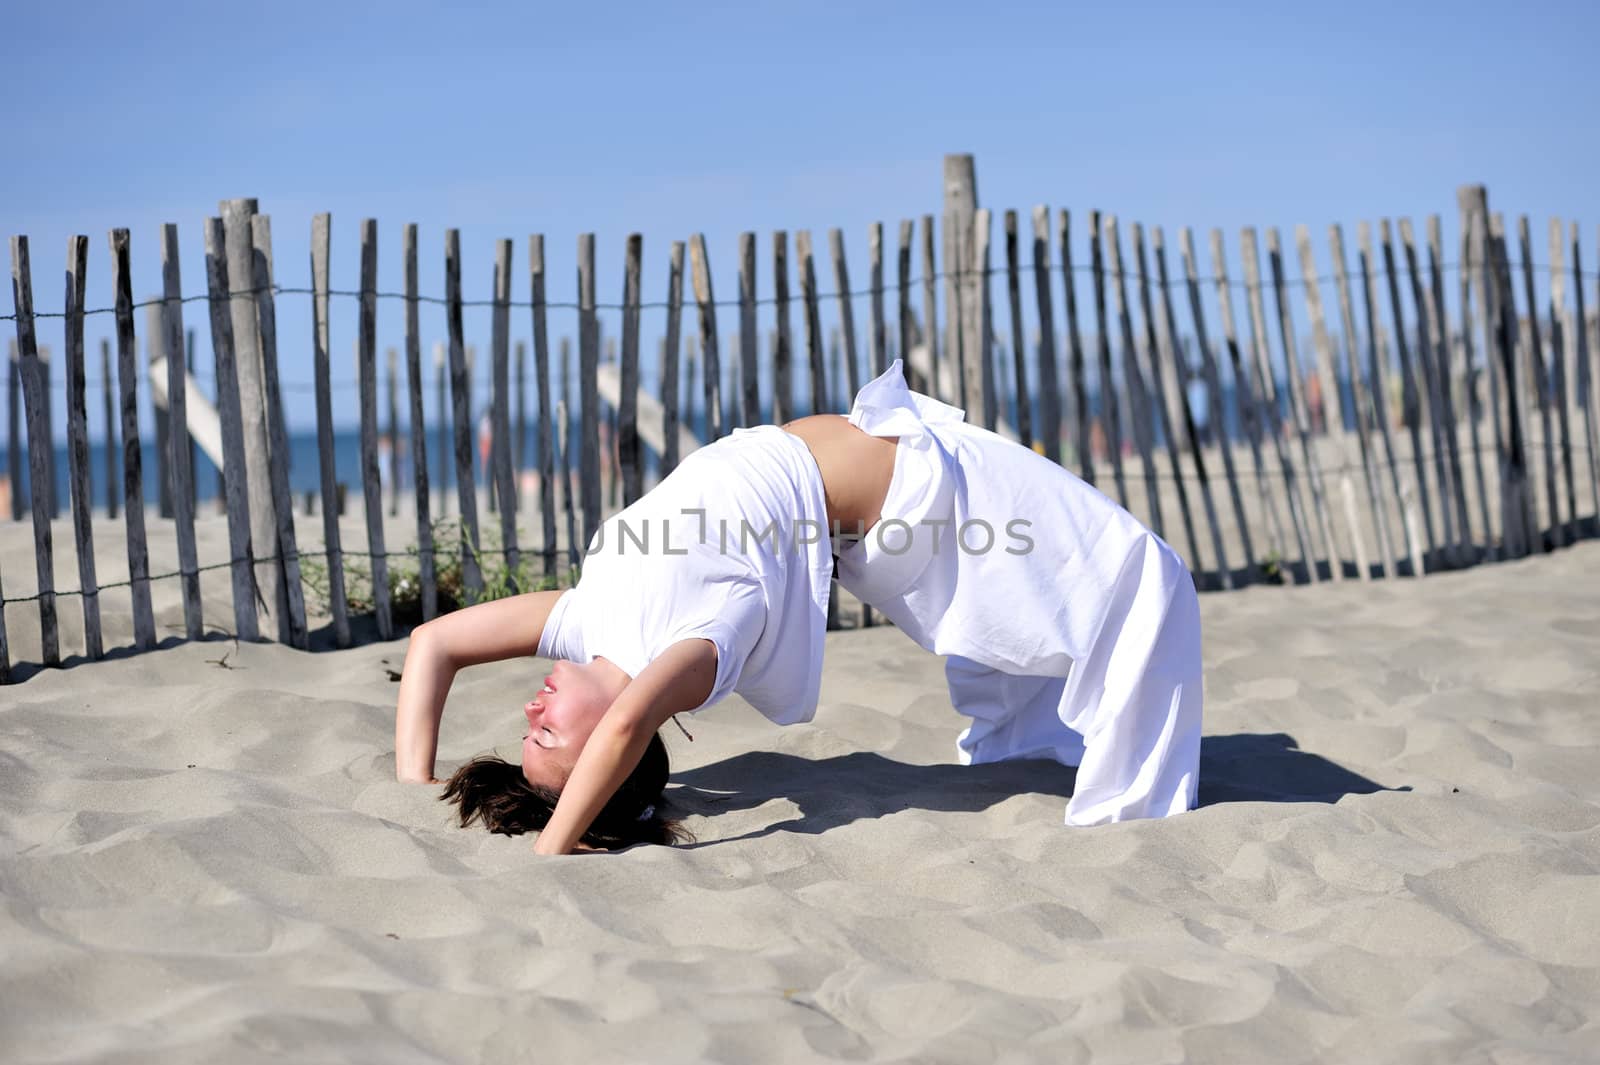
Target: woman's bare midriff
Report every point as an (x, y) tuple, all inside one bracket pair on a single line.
[(856, 468)]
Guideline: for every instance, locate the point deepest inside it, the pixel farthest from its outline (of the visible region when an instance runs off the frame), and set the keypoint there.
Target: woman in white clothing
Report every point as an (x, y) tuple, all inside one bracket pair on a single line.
[(1070, 631)]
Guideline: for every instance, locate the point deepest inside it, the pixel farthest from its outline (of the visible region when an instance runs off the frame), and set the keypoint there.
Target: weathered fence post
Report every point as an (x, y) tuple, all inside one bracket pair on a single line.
[(291, 603), (749, 372), (461, 420), (629, 455), (1559, 376), (1540, 386), (181, 463), (705, 299), (782, 343), (930, 312), (546, 430), (1019, 346), (979, 342), (500, 410), (427, 571), (1108, 387), (371, 485), (236, 216), (813, 323), (1138, 407), (1471, 277), (1517, 495), (880, 356), (338, 605), (144, 625), (671, 384), (1080, 394), (588, 392), (1049, 379), (1586, 371), (1445, 372), (960, 204), (905, 316), (236, 477), (1516, 489), (14, 429), (78, 444), (1485, 278)]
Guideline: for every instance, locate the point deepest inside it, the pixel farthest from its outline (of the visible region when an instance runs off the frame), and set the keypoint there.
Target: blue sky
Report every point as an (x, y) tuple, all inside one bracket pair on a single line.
[(716, 118)]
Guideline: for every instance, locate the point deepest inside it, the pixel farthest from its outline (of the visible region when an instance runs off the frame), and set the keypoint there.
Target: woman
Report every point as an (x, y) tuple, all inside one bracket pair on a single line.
[(1070, 631)]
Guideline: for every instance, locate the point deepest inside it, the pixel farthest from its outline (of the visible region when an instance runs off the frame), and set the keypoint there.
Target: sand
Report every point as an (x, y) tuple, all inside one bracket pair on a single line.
[(204, 857)]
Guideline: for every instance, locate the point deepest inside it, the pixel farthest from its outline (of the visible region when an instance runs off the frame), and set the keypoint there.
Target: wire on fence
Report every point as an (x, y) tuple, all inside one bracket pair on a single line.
[(865, 293)]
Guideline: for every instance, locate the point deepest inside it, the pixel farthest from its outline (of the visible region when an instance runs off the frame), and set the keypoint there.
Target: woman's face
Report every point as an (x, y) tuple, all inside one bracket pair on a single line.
[(563, 715)]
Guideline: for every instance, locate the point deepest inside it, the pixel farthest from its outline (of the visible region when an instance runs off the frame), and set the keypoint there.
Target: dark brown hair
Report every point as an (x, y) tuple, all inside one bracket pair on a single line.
[(493, 791)]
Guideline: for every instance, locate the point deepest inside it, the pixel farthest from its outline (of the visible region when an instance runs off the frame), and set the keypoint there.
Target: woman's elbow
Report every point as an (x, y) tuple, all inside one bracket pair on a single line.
[(427, 645)]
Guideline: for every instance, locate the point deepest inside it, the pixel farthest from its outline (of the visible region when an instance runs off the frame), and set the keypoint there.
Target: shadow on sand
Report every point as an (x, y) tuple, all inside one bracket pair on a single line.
[(830, 792)]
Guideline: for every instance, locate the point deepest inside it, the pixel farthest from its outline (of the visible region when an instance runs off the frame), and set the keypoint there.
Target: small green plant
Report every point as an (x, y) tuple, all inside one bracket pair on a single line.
[(500, 579), (1272, 568)]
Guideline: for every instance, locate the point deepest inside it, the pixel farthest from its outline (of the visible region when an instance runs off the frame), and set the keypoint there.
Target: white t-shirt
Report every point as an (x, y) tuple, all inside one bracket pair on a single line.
[(730, 547)]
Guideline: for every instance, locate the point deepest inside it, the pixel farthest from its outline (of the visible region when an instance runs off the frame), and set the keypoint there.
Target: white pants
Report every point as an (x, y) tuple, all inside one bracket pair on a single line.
[(1137, 747)]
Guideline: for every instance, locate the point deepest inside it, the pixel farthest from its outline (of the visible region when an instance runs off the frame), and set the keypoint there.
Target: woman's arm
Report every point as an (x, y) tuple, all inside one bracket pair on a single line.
[(488, 632), (677, 680)]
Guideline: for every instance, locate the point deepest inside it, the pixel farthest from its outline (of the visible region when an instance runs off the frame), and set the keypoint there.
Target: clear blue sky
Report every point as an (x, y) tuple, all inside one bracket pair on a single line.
[(716, 118)]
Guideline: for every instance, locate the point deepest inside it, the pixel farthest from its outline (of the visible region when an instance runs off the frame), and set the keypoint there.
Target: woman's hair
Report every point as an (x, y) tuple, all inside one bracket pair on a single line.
[(493, 791)]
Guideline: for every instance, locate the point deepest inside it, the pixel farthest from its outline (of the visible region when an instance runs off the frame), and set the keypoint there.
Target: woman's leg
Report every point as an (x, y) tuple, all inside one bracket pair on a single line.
[(1012, 716), (1136, 699), (1128, 714)]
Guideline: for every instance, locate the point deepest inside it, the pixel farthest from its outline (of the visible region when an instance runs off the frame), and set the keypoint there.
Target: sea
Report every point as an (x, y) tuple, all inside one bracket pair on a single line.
[(305, 473)]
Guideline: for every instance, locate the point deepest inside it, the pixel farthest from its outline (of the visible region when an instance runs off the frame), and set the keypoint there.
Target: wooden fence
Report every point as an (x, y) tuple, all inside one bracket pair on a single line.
[(1411, 434)]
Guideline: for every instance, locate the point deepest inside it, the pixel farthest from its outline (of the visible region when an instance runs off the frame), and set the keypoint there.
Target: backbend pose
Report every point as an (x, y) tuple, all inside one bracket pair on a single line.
[(1070, 631)]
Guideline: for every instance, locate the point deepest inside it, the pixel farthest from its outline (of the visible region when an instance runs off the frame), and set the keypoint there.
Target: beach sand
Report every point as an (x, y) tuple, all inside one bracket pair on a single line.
[(204, 857)]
